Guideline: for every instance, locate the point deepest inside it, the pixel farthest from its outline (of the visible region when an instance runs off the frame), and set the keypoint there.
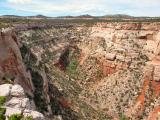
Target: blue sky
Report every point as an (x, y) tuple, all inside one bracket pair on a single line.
[(79, 7)]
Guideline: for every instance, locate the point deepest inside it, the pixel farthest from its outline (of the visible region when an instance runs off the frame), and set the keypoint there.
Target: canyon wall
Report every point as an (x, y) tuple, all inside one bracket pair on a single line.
[(128, 57), (11, 63), (104, 71)]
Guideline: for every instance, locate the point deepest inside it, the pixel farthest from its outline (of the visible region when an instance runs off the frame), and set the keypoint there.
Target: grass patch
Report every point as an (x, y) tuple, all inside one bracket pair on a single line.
[(15, 117), (27, 118), (123, 117), (2, 100), (2, 112), (19, 117), (72, 67)]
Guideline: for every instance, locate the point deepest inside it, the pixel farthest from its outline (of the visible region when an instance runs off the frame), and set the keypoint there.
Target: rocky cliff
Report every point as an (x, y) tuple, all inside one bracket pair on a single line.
[(11, 63), (13, 75), (72, 72)]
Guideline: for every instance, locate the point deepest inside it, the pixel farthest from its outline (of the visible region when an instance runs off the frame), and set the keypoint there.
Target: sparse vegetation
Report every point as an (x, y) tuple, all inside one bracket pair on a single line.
[(2, 112), (72, 67), (27, 118), (2, 100), (15, 117), (123, 117), (3, 25), (19, 117)]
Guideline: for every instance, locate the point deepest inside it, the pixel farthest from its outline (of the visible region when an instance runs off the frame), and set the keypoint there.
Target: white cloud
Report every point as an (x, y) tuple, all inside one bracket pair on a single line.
[(47, 7), (20, 1), (140, 3), (94, 7)]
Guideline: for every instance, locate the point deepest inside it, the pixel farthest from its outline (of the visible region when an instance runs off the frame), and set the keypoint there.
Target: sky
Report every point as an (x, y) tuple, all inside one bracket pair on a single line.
[(79, 7)]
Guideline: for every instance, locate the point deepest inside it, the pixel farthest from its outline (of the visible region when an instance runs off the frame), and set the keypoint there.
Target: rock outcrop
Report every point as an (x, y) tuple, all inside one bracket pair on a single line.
[(18, 103), (11, 63)]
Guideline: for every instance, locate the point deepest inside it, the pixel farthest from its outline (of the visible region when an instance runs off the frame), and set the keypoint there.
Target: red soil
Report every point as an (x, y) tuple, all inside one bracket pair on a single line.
[(156, 88), (154, 113), (141, 97), (64, 102)]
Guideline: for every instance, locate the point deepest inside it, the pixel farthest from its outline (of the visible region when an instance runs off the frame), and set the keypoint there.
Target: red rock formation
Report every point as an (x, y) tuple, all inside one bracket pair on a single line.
[(149, 86), (154, 114), (11, 64)]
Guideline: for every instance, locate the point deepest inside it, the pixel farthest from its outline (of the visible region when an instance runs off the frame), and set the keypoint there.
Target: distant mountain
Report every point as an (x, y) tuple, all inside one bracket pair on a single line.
[(80, 16), (32, 17), (85, 16), (117, 16), (10, 16), (120, 16), (38, 16)]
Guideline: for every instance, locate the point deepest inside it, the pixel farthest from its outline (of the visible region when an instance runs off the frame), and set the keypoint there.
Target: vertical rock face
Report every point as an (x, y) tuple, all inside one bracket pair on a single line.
[(11, 64)]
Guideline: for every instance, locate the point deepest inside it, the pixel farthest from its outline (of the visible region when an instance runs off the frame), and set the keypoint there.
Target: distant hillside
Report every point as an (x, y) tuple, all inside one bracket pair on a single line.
[(85, 16), (117, 16), (38, 16), (10, 16)]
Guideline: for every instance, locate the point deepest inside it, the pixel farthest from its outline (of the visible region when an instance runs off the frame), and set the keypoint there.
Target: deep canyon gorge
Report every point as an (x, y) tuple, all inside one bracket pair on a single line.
[(72, 71)]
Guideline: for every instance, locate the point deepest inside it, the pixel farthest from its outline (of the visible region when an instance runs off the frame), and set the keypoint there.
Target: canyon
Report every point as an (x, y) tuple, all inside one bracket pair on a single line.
[(73, 71)]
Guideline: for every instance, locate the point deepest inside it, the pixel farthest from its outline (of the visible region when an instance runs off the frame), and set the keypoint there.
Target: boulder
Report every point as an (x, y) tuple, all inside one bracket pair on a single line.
[(36, 115), (110, 56), (19, 103), (17, 91), (5, 89), (12, 111)]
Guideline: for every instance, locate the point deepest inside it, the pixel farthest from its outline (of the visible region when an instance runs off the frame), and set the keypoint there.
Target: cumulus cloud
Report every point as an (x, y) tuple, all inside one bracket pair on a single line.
[(52, 6), (94, 7)]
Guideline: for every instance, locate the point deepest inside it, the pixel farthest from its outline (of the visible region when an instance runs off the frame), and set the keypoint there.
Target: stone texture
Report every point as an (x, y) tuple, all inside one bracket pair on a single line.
[(17, 91), (156, 75), (19, 103), (5, 89), (36, 115), (11, 111), (120, 57), (110, 56)]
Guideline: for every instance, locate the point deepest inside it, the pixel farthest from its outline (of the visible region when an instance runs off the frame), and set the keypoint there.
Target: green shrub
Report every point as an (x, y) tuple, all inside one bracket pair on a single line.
[(2, 100), (19, 117), (123, 117), (72, 67), (15, 117), (2, 112)]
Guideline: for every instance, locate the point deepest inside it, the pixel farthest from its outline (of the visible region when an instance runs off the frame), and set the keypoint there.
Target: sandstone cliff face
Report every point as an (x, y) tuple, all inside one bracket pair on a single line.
[(21, 65), (129, 49), (11, 63), (133, 48), (13, 71)]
